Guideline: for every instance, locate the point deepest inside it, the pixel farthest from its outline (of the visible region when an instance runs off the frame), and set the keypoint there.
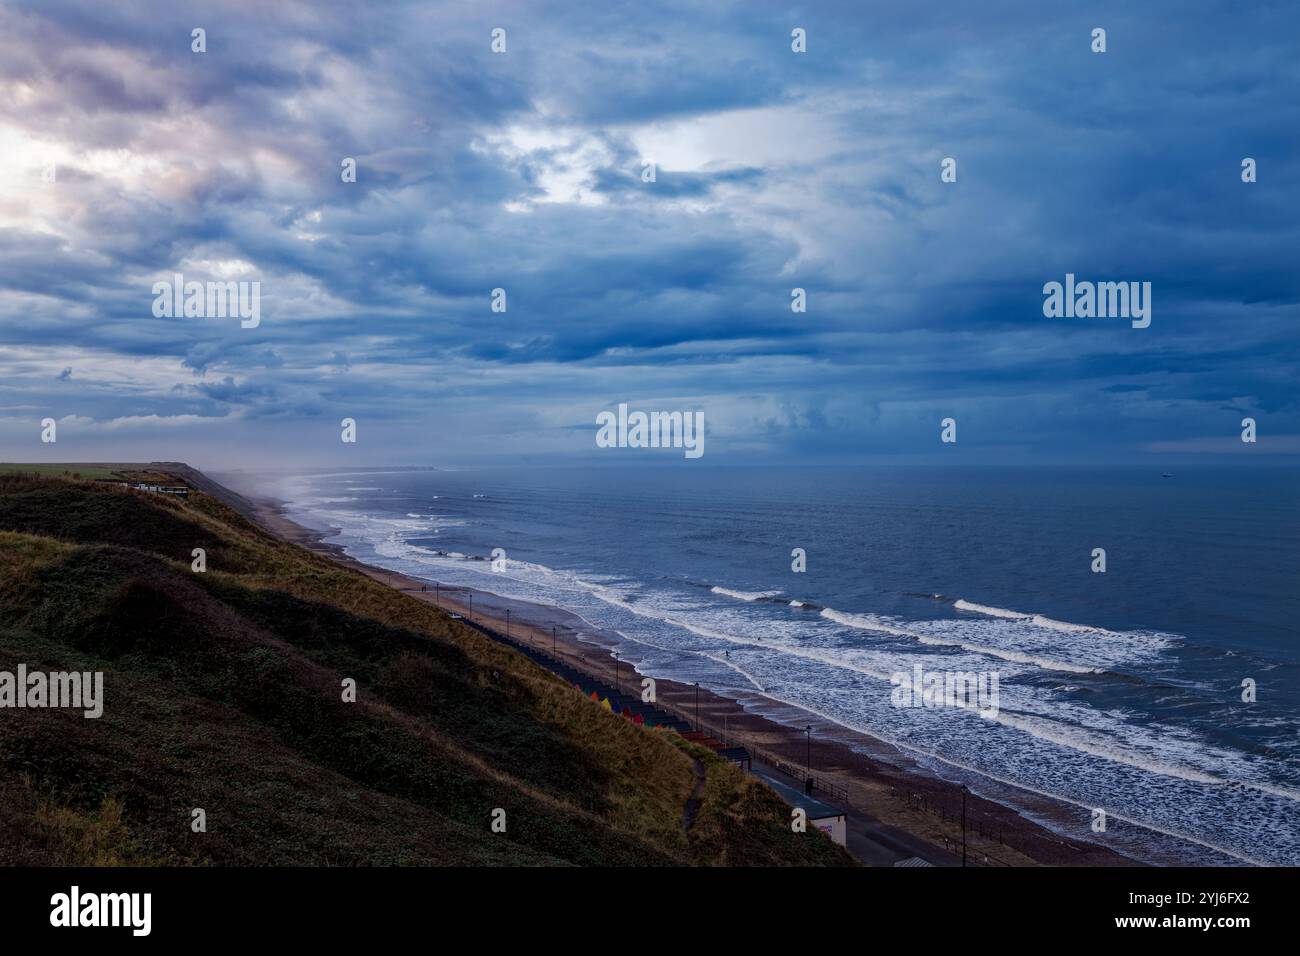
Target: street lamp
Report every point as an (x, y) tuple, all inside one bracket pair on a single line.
[(808, 759), (964, 791), (471, 606), (507, 624), (437, 592), (617, 683), (697, 705), (553, 654)]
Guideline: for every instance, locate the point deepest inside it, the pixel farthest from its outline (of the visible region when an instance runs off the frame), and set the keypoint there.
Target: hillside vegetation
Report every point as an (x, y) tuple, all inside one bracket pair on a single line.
[(223, 691)]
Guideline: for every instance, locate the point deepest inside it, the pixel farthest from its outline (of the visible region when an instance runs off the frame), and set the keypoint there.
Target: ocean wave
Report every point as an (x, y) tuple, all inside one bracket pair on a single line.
[(802, 605), (964, 605), (1155, 750), (1055, 625), (869, 622), (744, 595), (1036, 619)]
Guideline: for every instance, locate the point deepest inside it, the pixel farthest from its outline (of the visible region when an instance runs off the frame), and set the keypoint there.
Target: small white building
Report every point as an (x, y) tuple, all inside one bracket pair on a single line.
[(830, 820)]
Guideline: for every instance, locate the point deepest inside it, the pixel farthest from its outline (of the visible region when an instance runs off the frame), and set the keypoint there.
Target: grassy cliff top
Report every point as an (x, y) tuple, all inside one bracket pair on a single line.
[(223, 691)]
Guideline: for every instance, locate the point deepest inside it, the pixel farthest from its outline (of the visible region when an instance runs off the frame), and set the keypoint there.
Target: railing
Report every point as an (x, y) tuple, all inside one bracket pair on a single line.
[(801, 774), (975, 828)]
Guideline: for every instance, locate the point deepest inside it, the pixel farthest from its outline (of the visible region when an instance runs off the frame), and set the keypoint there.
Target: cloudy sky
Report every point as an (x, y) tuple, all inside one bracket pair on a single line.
[(523, 170)]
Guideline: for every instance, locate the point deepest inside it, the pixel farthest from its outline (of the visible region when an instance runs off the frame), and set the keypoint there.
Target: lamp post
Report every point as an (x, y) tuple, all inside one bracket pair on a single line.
[(471, 606), (437, 593), (553, 654), (507, 624), (697, 705), (618, 684), (808, 758), (963, 824)]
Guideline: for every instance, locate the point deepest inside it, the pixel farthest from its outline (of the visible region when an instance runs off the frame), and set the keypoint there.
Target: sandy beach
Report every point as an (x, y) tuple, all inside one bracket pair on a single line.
[(889, 795)]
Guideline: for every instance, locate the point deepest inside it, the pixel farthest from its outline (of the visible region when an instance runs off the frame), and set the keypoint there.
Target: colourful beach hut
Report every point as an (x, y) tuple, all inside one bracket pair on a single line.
[(606, 704)]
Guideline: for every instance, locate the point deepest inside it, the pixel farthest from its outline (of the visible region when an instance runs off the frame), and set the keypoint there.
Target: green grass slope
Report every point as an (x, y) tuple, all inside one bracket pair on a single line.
[(223, 692)]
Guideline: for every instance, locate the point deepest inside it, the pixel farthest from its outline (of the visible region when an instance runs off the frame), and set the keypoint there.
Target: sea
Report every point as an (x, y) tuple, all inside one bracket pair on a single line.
[(1159, 696)]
